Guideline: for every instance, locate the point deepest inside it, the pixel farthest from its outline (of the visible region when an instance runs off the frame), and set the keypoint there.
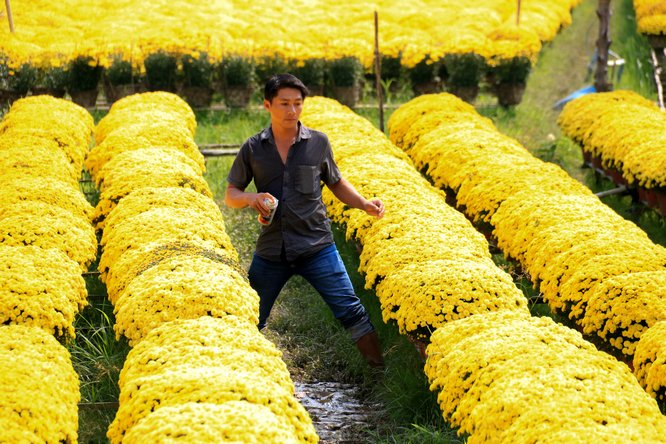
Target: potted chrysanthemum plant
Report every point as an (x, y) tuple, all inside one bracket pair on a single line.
[(197, 72), (83, 77), (462, 73), (238, 80), (121, 78), (15, 82), (346, 75)]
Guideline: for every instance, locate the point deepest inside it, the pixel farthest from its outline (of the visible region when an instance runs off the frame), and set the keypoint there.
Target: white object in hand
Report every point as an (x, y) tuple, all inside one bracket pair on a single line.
[(272, 205)]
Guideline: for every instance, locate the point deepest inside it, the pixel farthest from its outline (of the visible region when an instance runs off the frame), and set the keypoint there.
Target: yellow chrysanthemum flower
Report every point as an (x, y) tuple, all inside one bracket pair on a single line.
[(159, 224), (650, 360), (145, 199), (39, 389), (135, 261), (146, 387), (146, 167), (157, 107), (142, 134), (47, 226), (40, 287), (650, 17), (204, 342), (183, 287), (562, 235), (492, 370), (624, 130), (616, 308), (21, 159), (46, 190), (227, 422)]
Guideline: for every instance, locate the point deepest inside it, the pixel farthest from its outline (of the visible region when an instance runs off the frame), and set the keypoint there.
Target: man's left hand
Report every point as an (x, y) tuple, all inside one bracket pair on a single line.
[(374, 207)]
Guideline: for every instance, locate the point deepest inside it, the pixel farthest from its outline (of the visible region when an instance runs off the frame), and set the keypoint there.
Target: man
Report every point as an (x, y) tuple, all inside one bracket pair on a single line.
[(289, 162)]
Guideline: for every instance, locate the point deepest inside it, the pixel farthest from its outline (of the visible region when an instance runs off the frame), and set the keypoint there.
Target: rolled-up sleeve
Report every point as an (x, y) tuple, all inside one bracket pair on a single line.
[(240, 174), (330, 173)]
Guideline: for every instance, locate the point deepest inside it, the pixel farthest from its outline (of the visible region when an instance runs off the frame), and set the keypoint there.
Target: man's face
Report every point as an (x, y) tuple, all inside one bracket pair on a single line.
[(285, 108)]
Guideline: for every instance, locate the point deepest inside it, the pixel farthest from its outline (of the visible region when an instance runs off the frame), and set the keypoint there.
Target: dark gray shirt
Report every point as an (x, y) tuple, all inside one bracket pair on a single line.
[(300, 224)]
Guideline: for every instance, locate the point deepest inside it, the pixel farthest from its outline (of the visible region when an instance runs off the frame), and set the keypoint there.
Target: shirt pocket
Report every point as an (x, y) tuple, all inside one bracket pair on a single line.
[(307, 179)]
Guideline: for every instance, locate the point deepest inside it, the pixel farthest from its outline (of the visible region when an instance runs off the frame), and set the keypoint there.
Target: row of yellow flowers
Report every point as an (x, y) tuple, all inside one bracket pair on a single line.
[(505, 378), (50, 33), (45, 231), (39, 389), (650, 16), (46, 241), (590, 263), (199, 368), (625, 130), (491, 361), (426, 261)]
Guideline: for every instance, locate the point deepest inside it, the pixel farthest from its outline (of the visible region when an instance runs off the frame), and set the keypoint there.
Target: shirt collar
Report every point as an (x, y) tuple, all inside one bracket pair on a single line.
[(303, 133)]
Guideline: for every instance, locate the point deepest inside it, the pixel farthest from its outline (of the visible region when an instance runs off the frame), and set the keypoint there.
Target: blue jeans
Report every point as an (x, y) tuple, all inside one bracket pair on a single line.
[(326, 272)]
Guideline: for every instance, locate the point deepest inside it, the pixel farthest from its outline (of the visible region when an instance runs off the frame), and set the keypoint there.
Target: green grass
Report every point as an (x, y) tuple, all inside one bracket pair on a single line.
[(229, 126), (98, 358)]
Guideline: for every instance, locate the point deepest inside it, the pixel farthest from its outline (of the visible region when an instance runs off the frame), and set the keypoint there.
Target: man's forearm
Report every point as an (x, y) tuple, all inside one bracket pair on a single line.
[(347, 194), (236, 198)]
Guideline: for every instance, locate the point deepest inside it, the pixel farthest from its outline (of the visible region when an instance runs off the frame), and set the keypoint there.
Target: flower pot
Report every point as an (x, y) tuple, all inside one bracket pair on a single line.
[(237, 96), (316, 90), (651, 198), (117, 92), (657, 41), (615, 175), (347, 95), (642, 195), (660, 196), (8, 97), (430, 87), (510, 94), (86, 99), (466, 93), (40, 90), (197, 96)]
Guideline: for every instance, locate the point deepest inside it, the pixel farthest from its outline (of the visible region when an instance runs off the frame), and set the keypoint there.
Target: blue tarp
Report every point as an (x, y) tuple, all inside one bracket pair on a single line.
[(574, 95)]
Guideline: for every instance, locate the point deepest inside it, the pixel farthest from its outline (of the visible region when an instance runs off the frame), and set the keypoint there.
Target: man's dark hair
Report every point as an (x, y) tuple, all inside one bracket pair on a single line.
[(278, 81)]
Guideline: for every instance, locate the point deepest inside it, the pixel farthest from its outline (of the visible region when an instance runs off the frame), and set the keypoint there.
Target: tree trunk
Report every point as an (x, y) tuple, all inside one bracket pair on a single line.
[(601, 83)]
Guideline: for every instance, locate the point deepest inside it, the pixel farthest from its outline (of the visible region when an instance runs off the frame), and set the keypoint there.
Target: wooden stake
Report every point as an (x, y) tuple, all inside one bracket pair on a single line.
[(8, 8), (601, 82), (518, 14), (378, 75), (657, 78)]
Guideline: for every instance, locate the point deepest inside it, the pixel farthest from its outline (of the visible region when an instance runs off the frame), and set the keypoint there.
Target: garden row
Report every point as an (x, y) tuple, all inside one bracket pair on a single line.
[(622, 134), (490, 360), (434, 44), (198, 367), (599, 269), (46, 241)]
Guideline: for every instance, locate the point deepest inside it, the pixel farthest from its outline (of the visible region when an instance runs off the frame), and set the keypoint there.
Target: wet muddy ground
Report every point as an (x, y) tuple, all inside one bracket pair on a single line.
[(339, 411)]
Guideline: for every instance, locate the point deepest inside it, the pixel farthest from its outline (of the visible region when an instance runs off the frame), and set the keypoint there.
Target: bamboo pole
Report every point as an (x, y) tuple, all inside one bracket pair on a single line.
[(657, 77), (518, 14), (8, 8), (378, 75)]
